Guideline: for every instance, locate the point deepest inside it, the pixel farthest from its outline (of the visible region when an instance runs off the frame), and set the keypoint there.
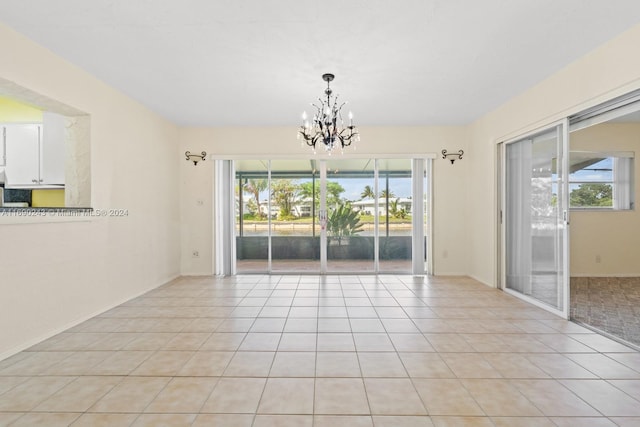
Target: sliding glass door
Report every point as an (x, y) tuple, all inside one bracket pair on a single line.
[(397, 211), (330, 215), (350, 225), (252, 215), (535, 218), (294, 231)]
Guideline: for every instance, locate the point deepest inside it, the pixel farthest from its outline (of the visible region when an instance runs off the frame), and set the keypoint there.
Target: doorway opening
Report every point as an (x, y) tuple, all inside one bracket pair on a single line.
[(605, 278), (579, 171)]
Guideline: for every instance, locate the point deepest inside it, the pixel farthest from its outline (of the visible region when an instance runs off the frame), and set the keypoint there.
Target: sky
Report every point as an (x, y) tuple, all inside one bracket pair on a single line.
[(597, 172)]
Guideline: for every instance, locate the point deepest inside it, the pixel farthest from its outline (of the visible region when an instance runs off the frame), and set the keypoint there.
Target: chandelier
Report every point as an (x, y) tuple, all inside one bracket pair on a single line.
[(327, 126)]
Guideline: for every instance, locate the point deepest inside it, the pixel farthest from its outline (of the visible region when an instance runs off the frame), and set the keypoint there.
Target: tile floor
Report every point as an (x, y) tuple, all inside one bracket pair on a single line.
[(303, 351)]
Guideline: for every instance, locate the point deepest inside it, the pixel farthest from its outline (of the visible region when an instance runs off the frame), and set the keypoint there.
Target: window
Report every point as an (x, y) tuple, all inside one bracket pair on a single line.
[(45, 159), (599, 180)]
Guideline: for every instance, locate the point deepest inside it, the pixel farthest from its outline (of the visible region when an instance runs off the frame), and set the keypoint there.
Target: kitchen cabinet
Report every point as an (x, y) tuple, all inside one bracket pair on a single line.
[(35, 153), (22, 148)]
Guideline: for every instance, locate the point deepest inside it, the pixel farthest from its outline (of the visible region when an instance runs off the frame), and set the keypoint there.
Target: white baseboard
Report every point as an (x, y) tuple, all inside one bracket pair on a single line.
[(491, 285), (448, 274)]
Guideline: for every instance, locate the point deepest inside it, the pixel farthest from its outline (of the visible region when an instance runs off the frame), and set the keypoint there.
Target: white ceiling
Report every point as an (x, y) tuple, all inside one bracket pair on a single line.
[(259, 62)]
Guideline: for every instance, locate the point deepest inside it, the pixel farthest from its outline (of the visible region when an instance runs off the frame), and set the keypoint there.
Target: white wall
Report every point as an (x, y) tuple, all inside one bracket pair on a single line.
[(450, 204), (606, 243), (55, 274), (609, 71)]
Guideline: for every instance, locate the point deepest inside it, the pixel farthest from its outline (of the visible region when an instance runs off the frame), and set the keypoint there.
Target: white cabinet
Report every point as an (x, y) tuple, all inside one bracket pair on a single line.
[(22, 148), (35, 153)]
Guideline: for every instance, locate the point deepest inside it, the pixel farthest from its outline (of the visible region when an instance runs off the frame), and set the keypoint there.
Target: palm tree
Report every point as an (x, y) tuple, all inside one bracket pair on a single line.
[(367, 193), (255, 187), (334, 190), (387, 194), (343, 222), (397, 211)]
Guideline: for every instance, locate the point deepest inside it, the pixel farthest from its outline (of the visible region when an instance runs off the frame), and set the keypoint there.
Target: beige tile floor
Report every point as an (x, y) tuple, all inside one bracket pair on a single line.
[(314, 351)]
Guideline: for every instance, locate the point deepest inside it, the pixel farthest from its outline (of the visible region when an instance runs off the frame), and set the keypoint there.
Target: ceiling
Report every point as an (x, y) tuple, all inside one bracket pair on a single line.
[(259, 62)]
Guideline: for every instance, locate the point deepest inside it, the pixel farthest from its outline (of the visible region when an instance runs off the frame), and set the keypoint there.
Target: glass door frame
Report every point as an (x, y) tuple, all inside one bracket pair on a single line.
[(563, 185), (317, 262), (422, 267), (358, 246), (323, 211)]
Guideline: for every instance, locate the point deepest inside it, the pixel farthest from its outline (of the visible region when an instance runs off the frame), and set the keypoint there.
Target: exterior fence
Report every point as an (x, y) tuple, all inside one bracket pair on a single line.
[(308, 247)]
